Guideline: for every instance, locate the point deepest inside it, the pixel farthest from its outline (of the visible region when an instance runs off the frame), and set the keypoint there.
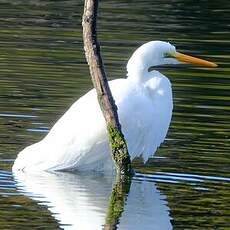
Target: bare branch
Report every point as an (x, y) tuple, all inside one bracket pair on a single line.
[(92, 52)]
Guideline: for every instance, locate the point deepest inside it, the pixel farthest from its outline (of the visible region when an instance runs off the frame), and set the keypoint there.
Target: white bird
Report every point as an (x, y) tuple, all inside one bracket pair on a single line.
[(78, 141)]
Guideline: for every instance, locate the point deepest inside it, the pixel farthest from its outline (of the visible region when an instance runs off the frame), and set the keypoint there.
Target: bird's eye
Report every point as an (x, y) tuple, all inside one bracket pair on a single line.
[(168, 55)]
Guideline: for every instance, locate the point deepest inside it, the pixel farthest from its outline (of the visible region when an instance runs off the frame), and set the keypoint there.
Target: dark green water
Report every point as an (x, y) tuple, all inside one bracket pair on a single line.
[(43, 71)]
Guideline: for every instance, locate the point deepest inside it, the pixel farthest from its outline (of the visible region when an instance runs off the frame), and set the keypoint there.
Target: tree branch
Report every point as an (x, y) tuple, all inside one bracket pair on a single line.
[(92, 52)]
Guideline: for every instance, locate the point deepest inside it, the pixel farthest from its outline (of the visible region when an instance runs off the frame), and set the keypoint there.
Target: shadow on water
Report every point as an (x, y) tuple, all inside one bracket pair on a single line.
[(83, 201)]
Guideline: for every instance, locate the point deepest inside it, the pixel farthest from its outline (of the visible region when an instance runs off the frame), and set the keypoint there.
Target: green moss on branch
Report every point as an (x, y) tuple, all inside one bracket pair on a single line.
[(120, 152)]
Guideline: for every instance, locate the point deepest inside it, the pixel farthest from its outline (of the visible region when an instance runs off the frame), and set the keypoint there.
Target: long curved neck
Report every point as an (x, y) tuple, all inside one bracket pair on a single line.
[(149, 54), (138, 75), (137, 70)]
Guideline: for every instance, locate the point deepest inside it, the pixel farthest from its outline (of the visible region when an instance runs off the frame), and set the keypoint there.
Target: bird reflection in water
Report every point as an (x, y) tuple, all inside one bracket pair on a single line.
[(83, 201)]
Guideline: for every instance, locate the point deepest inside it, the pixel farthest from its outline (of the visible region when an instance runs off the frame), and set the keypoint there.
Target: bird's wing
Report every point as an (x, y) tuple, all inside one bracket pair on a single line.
[(145, 113), (159, 92), (74, 135)]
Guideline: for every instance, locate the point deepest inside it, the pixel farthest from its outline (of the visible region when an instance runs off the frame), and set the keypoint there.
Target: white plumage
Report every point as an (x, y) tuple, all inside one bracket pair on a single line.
[(78, 141)]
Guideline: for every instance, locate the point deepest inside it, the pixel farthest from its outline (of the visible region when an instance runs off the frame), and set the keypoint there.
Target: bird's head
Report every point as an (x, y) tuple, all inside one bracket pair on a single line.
[(156, 53)]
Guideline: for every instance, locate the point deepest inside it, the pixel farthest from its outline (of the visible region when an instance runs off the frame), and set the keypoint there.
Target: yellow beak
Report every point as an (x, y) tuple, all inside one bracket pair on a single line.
[(192, 60)]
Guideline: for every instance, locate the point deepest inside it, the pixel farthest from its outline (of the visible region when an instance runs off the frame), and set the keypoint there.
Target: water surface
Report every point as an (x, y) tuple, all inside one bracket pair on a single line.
[(43, 71)]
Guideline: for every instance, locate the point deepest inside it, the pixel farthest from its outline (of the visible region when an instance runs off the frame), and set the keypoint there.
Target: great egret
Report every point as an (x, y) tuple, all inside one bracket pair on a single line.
[(78, 141)]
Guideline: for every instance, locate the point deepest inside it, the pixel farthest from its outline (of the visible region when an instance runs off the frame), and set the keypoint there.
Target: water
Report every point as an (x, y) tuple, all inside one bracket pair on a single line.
[(43, 71)]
